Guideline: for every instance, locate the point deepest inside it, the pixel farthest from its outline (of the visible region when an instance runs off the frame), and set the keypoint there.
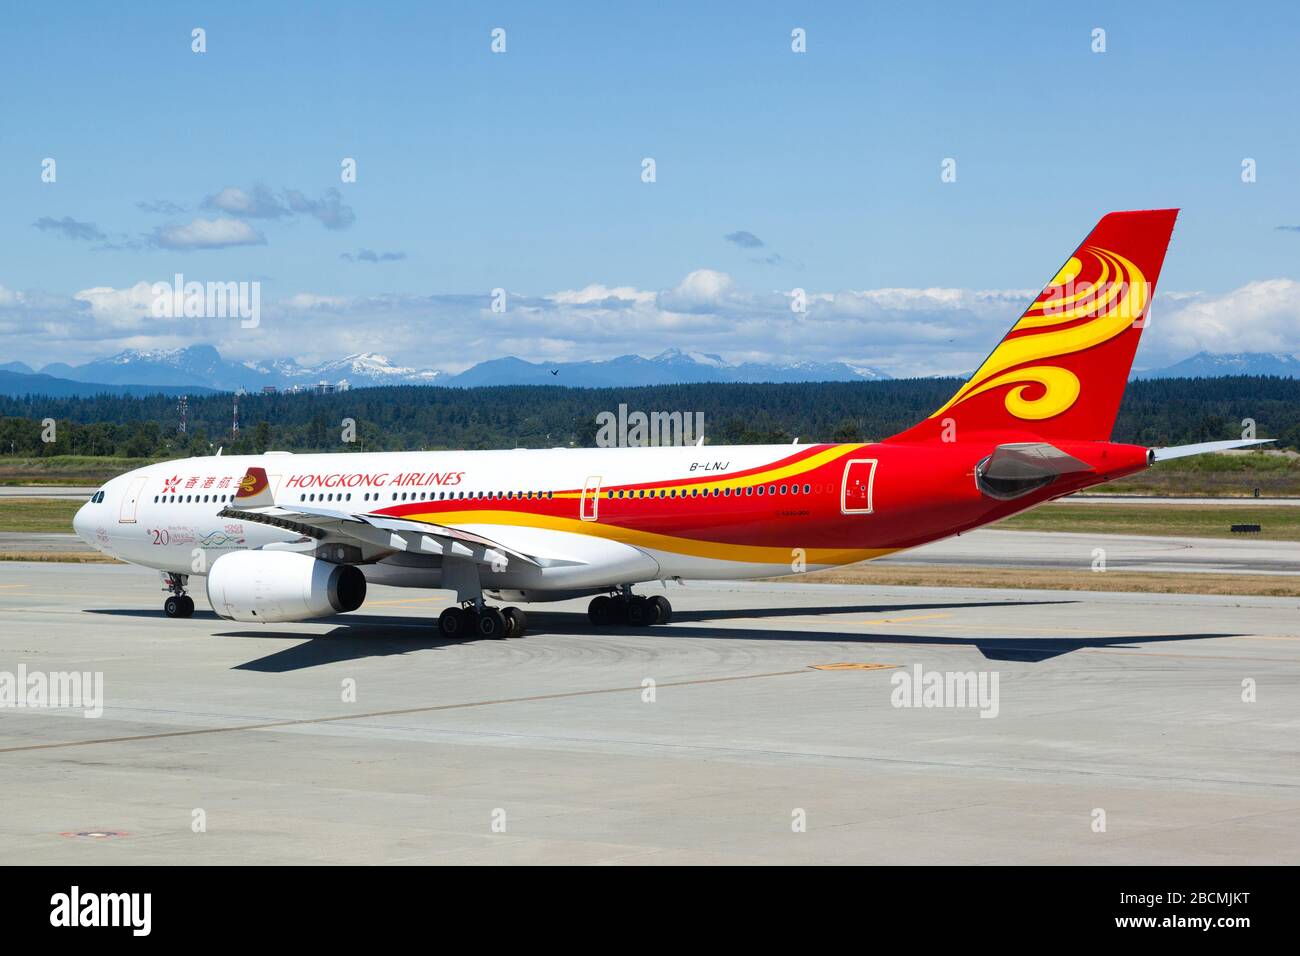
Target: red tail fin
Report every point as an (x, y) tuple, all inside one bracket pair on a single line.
[(1061, 370)]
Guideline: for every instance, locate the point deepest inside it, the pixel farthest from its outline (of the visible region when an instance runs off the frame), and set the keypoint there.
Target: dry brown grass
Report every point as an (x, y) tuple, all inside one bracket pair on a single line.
[(59, 557), (1245, 585)]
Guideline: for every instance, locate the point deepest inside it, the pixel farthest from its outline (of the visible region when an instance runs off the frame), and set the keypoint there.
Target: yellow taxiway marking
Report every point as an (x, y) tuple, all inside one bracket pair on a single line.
[(904, 620), (852, 667)]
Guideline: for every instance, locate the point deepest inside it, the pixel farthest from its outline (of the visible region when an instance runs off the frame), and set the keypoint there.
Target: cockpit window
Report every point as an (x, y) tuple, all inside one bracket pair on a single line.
[(97, 497)]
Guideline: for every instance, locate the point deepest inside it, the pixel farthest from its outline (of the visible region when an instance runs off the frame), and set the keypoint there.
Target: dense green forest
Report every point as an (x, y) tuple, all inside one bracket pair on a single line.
[(1155, 412)]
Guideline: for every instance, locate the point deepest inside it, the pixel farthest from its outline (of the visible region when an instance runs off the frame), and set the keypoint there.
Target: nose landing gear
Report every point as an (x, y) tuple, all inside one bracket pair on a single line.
[(179, 604)]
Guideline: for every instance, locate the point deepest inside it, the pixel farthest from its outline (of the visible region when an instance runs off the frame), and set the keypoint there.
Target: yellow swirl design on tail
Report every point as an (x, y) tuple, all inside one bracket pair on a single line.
[(1113, 302)]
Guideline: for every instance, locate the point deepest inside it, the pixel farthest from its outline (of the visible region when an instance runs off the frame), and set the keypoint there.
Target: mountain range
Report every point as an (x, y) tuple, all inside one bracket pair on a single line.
[(1211, 365), (201, 368)]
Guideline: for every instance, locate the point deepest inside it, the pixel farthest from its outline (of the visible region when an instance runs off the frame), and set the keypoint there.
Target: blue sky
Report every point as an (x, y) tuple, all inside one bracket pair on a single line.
[(522, 170)]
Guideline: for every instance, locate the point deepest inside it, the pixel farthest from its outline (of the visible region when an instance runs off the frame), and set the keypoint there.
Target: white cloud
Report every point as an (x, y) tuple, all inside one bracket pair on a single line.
[(903, 331), (208, 234), (1260, 316), (259, 202), (115, 310), (597, 293), (699, 291)]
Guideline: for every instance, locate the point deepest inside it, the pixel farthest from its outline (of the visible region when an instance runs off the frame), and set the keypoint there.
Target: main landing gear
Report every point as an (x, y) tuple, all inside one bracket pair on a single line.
[(475, 620), (179, 604), (624, 607)]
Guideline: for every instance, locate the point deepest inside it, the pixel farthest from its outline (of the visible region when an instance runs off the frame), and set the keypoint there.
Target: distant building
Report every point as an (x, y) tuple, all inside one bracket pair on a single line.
[(269, 389), (342, 385)]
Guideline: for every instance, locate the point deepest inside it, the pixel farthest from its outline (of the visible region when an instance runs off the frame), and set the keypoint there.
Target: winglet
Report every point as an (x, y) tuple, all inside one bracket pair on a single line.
[(254, 489)]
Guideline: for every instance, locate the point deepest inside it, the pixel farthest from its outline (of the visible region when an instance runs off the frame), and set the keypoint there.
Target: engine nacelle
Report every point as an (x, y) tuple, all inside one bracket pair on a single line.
[(275, 586)]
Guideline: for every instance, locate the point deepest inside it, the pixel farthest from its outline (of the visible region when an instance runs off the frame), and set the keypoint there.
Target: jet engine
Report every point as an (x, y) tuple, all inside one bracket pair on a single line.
[(276, 586)]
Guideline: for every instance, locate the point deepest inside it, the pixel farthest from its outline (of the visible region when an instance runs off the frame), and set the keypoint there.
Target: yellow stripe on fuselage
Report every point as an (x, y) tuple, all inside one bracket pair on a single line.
[(649, 540)]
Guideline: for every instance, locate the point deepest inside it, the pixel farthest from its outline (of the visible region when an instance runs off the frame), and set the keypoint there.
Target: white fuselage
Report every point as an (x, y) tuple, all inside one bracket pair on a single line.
[(167, 516)]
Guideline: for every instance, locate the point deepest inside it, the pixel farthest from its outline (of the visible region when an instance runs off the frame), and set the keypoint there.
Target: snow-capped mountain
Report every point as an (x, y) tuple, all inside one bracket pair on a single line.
[(1210, 365), (360, 370), (670, 367), (203, 366)]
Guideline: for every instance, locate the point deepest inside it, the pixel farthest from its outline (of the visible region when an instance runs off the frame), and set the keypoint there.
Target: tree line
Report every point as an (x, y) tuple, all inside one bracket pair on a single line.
[(1154, 412)]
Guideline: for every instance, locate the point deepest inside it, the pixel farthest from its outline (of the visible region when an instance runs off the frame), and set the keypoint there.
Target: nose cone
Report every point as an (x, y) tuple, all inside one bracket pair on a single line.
[(82, 525)]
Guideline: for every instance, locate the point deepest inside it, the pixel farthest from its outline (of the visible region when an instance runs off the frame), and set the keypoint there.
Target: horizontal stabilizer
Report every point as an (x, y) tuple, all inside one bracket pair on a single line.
[(1204, 448), (1020, 460)]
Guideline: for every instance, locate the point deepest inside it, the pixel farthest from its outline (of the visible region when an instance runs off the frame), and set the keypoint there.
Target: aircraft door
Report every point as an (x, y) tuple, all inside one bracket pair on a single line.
[(590, 506), (131, 501), (859, 481)]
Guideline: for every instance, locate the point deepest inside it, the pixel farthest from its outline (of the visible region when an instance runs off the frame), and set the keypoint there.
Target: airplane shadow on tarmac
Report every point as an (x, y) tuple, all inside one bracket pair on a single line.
[(359, 636)]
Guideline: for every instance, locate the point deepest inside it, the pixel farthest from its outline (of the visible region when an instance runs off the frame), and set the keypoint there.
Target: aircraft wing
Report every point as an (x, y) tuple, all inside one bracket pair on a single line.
[(372, 533), (378, 533)]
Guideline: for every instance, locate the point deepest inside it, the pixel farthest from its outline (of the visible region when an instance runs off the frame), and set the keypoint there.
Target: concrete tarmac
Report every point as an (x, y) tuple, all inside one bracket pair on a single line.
[(992, 549), (47, 491), (1121, 735)]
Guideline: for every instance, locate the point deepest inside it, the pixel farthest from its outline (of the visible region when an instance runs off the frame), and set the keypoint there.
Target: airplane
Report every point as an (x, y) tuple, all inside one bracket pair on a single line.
[(282, 537)]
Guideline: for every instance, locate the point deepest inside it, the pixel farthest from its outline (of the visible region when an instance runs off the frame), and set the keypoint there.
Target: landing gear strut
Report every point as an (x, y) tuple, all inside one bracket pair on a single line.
[(624, 607), (179, 604), (482, 621)]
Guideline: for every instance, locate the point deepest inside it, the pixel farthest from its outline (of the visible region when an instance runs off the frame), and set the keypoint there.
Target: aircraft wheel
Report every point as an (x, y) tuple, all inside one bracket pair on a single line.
[(492, 624), (455, 622), (516, 622), (641, 613), (601, 610), (665, 609), (178, 605)]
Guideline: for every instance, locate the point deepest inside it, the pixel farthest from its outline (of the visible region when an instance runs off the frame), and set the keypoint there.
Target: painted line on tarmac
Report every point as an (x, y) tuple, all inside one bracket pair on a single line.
[(271, 725)]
